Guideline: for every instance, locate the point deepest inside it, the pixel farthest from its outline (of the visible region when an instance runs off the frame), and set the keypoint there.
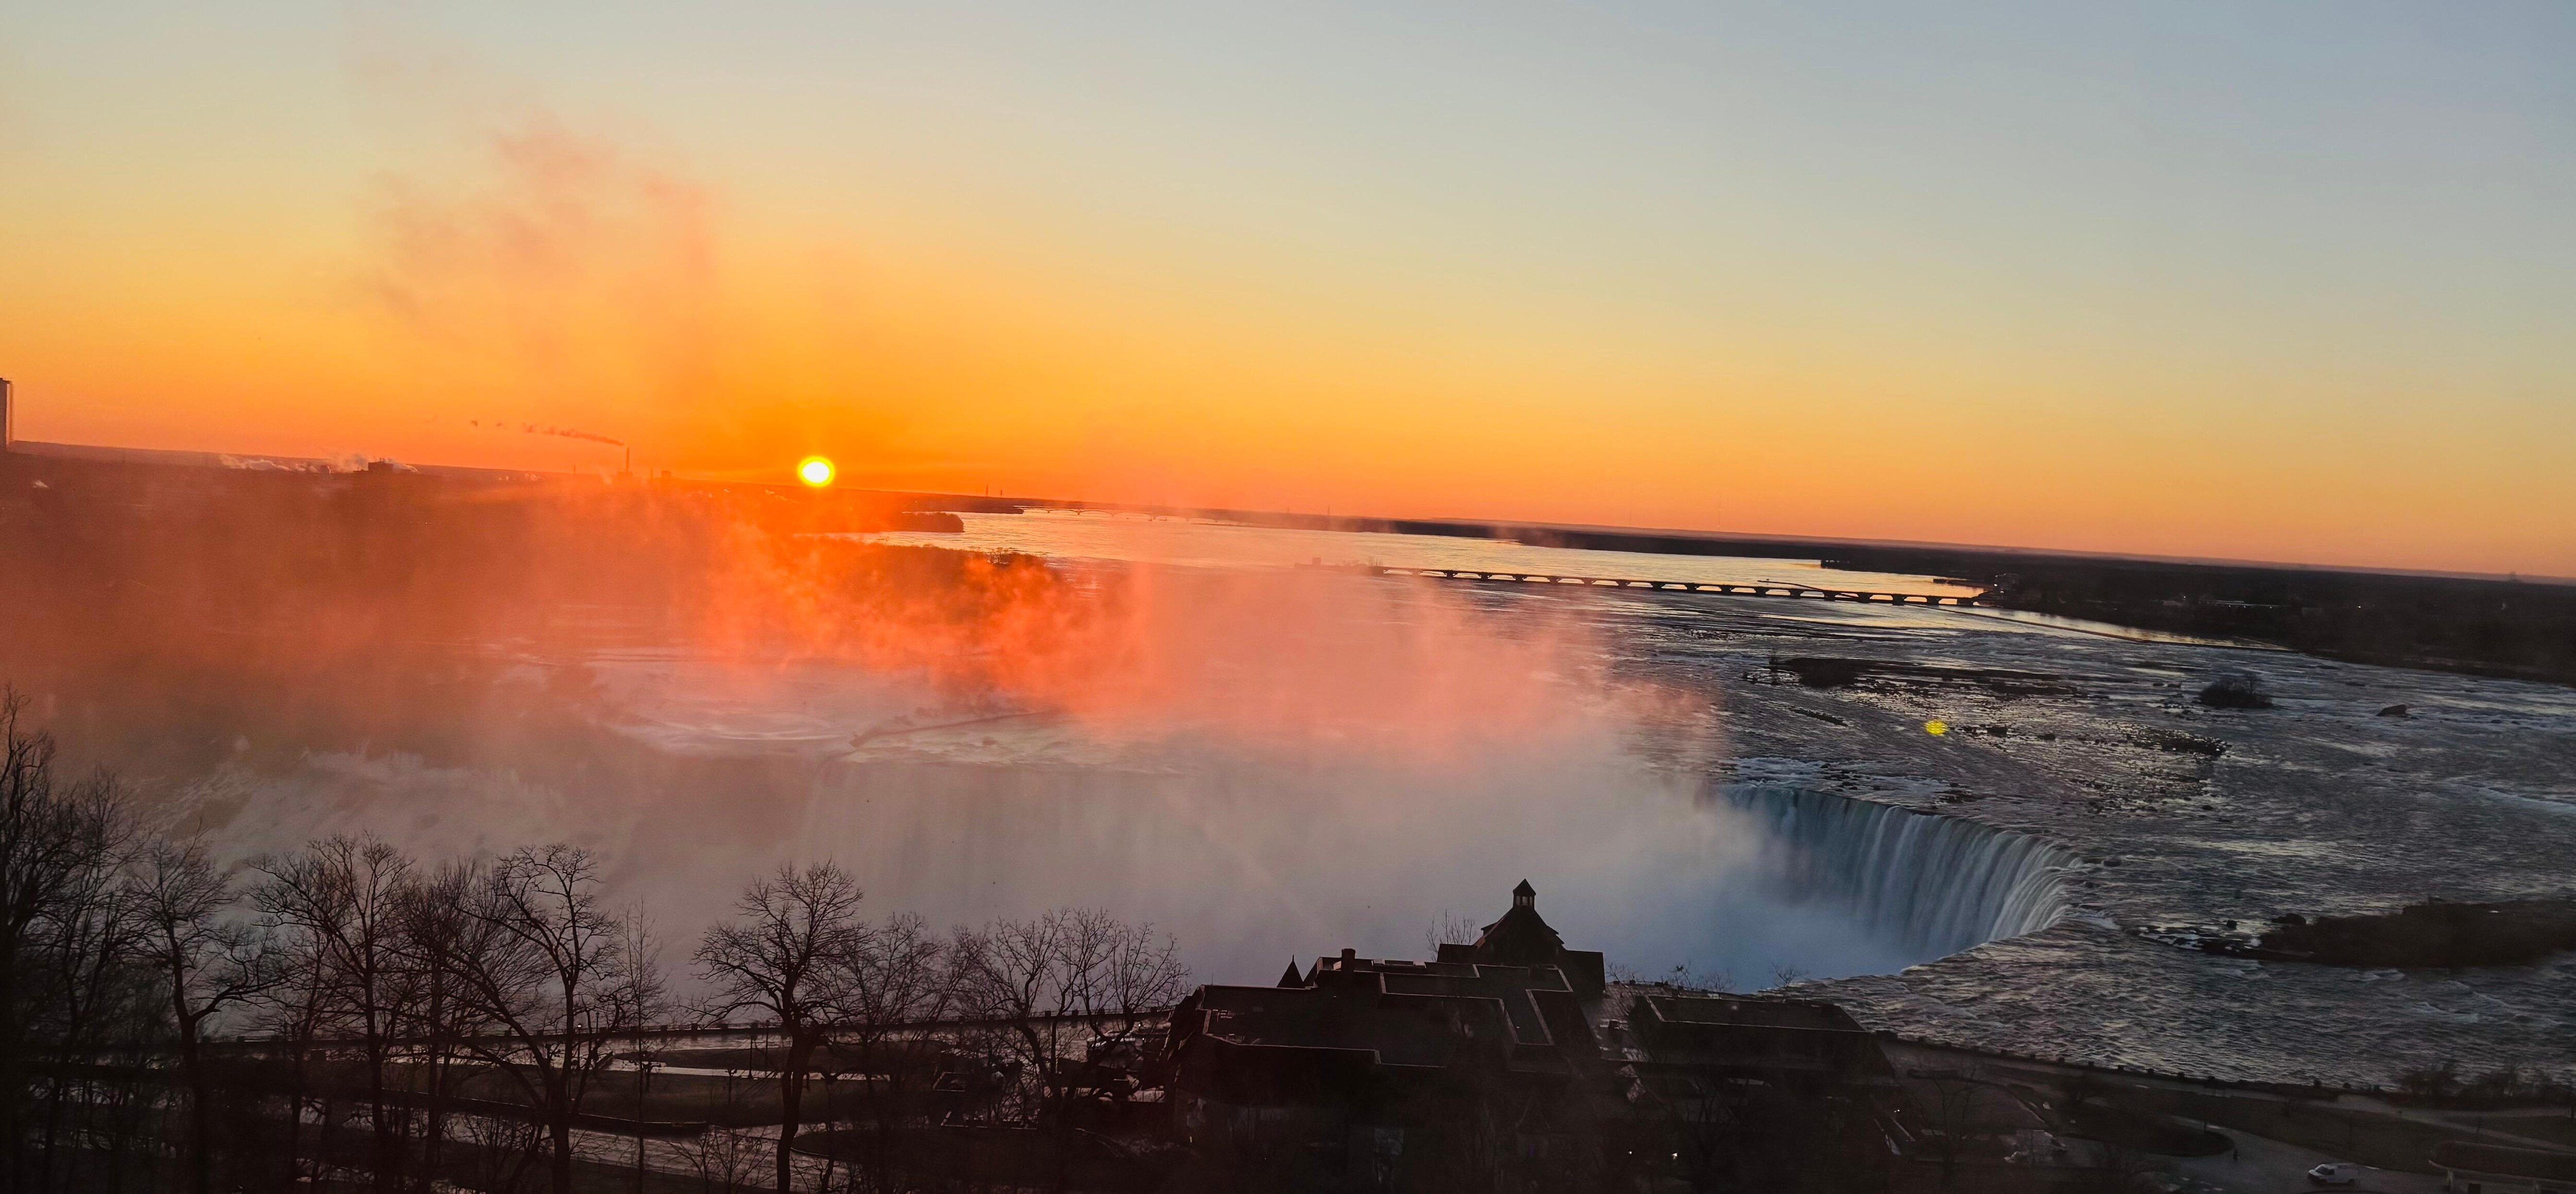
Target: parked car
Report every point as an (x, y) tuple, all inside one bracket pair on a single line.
[(2333, 1175)]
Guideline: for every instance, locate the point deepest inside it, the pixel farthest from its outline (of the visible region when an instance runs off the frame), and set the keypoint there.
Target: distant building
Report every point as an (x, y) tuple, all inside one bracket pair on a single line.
[(1374, 1068), (1369, 1047), (1382, 1074)]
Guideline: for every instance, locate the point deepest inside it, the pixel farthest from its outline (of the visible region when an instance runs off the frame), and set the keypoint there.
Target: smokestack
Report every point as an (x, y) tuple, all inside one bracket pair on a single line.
[(8, 417)]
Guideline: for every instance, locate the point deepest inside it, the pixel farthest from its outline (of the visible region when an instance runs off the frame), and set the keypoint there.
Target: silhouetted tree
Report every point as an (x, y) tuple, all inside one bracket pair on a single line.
[(442, 941), (1059, 990), (59, 848), (898, 978), (646, 996), (1953, 1112), (77, 959), (786, 957), (294, 1013), (208, 961), (345, 897), (555, 983)]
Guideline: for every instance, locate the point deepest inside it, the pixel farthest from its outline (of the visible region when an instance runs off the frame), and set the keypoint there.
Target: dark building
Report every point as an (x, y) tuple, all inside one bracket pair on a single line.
[(1503, 1065), (1784, 1042), (1374, 1059), (1523, 938), (1759, 1094), (1369, 1073), (1504, 1057)]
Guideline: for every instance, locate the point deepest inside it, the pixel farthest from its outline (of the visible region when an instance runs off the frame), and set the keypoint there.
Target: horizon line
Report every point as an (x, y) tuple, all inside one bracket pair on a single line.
[(1350, 522)]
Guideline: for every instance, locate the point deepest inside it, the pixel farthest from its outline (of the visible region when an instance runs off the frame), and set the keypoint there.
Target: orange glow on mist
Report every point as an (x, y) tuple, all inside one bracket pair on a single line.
[(1302, 662)]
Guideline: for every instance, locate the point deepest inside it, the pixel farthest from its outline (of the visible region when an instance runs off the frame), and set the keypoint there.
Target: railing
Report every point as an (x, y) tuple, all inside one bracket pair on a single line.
[(697, 1031)]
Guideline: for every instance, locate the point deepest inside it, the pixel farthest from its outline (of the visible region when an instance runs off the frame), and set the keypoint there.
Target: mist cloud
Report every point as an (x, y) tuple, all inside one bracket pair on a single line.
[(557, 267)]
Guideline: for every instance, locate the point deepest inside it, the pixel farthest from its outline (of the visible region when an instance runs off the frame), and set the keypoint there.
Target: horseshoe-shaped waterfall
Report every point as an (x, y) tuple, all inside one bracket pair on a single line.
[(1939, 884)]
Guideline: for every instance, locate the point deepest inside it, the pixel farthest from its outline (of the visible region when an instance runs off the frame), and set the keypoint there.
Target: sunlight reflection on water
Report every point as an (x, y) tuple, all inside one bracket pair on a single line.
[(1211, 544)]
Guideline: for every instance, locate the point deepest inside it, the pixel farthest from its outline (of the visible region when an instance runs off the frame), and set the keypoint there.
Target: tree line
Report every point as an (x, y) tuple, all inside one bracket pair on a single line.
[(347, 1015)]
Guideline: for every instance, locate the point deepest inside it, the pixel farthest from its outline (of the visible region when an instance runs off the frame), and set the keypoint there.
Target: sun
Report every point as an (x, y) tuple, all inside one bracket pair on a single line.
[(815, 471)]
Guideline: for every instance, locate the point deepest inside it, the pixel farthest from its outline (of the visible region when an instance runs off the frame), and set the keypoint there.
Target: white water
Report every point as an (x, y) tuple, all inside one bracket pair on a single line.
[(1249, 856), (1249, 860), (1934, 885)]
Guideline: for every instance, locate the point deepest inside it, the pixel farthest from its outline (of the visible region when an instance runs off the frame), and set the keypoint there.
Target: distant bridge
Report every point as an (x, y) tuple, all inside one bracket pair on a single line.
[(1759, 589)]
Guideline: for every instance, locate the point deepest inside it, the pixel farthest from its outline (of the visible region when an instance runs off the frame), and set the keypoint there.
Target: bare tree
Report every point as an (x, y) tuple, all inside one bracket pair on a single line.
[(1697, 978), (292, 1012), (1449, 928), (443, 941), (346, 897), (555, 984), (1954, 1112), (2120, 1169), (1059, 990), (80, 956), (1012, 975), (208, 961), (723, 1158), (1140, 976), (898, 979), (786, 958), (646, 996), (499, 1152), (1704, 1118), (54, 839)]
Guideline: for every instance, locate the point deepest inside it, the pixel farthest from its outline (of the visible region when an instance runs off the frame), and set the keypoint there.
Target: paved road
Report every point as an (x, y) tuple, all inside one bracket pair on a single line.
[(2261, 1166)]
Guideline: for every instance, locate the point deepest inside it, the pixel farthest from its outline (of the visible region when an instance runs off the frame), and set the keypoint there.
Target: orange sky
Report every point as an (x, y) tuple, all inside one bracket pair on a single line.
[(1648, 266)]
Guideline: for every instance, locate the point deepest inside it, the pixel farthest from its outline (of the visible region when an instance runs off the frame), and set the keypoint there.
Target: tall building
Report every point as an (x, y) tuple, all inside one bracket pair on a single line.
[(8, 417)]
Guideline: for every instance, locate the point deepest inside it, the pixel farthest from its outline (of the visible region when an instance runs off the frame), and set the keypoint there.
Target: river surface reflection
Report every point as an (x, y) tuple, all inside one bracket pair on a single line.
[(1059, 535)]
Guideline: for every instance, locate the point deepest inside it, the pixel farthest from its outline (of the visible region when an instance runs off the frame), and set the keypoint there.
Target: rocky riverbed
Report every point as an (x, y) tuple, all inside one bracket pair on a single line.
[(2189, 822)]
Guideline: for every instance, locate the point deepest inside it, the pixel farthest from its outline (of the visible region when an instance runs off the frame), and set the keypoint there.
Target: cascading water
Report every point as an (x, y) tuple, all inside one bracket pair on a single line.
[(1936, 884)]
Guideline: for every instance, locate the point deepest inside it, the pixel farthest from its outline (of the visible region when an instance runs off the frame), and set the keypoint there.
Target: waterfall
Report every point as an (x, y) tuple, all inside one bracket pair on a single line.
[(1938, 884)]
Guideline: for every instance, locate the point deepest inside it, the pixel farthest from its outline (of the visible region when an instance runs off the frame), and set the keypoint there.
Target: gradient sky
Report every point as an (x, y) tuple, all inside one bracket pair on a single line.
[(2276, 281)]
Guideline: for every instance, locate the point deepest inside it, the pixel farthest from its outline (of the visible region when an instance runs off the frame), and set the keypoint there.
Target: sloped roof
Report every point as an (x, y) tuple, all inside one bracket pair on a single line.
[(1520, 938)]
